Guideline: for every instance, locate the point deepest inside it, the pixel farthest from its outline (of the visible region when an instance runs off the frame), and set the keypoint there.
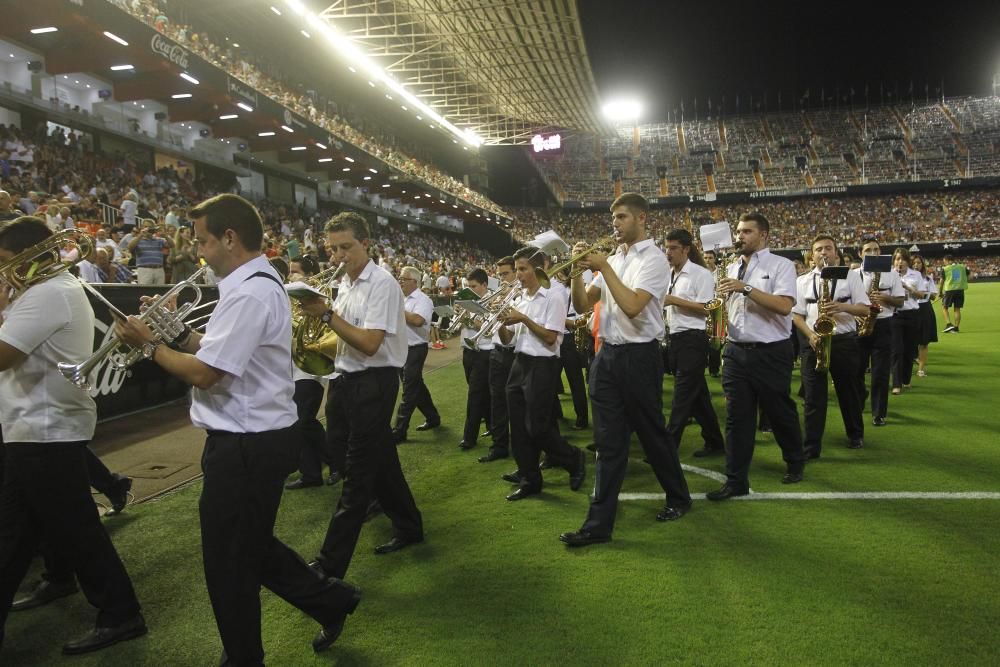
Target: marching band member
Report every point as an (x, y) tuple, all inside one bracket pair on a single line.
[(928, 321), (758, 357), (847, 301), (691, 287), (906, 321), (501, 359), (418, 312), (626, 378), (876, 349), (476, 363), (241, 370)]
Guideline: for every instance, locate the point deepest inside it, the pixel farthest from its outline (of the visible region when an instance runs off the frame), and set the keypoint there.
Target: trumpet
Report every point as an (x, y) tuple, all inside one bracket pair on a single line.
[(607, 244), (493, 323), (464, 319), (42, 261), (166, 325)]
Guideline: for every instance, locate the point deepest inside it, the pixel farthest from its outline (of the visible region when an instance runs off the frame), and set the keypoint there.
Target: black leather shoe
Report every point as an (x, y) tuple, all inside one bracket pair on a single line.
[(493, 455), (426, 426), (580, 426), (465, 444), (582, 538), (812, 454), (512, 477), (318, 566), (99, 638), (324, 638), (119, 499), (523, 492), (856, 444), (726, 492), (334, 478), (878, 421), (398, 436), (669, 513), (578, 474), (707, 451), (793, 474), (303, 484), (397, 543), (44, 592)]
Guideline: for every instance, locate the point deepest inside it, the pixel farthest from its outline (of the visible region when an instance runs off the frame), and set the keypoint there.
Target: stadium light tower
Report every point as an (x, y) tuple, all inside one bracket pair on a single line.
[(623, 110)]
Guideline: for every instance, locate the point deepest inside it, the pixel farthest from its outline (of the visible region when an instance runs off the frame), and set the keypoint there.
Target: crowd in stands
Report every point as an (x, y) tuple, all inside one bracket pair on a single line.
[(916, 218), (265, 78)]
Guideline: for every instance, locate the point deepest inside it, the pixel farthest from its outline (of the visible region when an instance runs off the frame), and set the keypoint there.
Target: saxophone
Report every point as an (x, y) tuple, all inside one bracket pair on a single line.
[(866, 323), (824, 327), (716, 316)]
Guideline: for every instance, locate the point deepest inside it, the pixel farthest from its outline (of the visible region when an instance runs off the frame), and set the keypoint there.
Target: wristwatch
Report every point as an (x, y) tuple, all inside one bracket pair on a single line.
[(747, 289), (325, 318), (149, 349)]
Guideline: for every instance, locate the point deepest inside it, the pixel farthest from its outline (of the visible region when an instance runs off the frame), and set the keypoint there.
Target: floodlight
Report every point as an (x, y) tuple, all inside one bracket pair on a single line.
[(623, 109)]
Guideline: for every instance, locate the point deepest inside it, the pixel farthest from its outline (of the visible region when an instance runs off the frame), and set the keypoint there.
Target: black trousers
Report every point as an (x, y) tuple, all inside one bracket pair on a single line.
[(572, 364), (753, 376), (714, 359), (45, 498), (362, 410), (688, 356), (844, 359), (416, 395), (905, 332), (876, 350), (626, 393), (531, 388), (244, 478), (477, 404), (501, 359), (314, 452)]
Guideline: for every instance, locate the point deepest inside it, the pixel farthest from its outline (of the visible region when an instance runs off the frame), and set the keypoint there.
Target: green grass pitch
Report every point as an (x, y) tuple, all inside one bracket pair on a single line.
[(771, 582)]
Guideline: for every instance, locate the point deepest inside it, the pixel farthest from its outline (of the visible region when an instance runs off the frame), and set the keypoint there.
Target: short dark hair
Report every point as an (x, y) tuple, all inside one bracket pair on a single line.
[(682, 236), (309, 265), (508, 260), (479, 275), (633, 200), (824, 237), (349, 221), (758, 219), (709, 252), (533, 255), (229, 211), (281, 266), (22, 233), (865, 240)]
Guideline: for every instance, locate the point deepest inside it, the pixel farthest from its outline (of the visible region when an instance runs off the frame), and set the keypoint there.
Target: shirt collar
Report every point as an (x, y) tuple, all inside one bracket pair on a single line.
[(542, 291), (637, 247), (244, 271), (365, 274)]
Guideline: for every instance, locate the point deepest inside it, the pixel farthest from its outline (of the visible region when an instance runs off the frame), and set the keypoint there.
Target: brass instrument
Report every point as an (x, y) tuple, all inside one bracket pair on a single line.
[(165, 323), (498, 311), (824, 326), (314, 344), (43, 261), (866, 323), (581, 333), (464, 319), (607, 244), (716, 314)]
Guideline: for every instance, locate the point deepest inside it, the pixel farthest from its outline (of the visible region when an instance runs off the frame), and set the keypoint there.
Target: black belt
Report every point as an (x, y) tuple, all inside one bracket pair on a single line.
[(688, 332), (627, 345), (419, 345), (754, 346), (355, 374)]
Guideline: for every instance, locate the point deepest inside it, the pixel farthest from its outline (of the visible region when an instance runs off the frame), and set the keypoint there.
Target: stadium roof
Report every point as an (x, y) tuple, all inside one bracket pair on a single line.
[(506, 69)]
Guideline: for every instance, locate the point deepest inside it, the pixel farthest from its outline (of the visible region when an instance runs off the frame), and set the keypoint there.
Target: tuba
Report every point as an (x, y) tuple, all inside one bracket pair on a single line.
[(866, 324), (824, 327), (314, 345), (42, 261)]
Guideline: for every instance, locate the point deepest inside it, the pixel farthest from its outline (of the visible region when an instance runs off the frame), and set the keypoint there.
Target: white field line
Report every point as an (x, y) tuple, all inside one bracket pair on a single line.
[(840, 495)]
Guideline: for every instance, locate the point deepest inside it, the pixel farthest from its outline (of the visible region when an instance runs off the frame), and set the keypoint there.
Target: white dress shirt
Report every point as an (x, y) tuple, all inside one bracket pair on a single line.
[(913, 280), (419, 304), (49, 322), (249, 338), (645, 267), (809, 289), (692, 283), (547, 308), (750, 322), (889, 285), (930, 287), (482, 343), (373, 301), (88, 271)]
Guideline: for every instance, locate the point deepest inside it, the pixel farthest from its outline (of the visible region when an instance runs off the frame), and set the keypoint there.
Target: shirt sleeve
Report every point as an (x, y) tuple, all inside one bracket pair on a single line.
[(800, 307), (33, 318), (383, 302), (225, 345), (555, 311), (597, 282), (784, 279), (705, 288), (654, 275), (896, 288), (424, 308), (857, 287)]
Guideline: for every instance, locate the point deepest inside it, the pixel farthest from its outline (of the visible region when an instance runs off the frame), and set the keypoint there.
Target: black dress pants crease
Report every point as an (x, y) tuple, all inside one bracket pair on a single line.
[(753, 376), (477, 405), (626, 394), (416, 395), (501, 359), (691, 398), (844, 372), (359, 419), (876, 350), (905, 333), (531, 389), (572, 364), (314, 452), (45, 498), (244, 479)]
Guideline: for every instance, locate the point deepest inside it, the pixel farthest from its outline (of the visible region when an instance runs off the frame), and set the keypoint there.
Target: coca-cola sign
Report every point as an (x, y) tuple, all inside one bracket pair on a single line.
[(166, 49)]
